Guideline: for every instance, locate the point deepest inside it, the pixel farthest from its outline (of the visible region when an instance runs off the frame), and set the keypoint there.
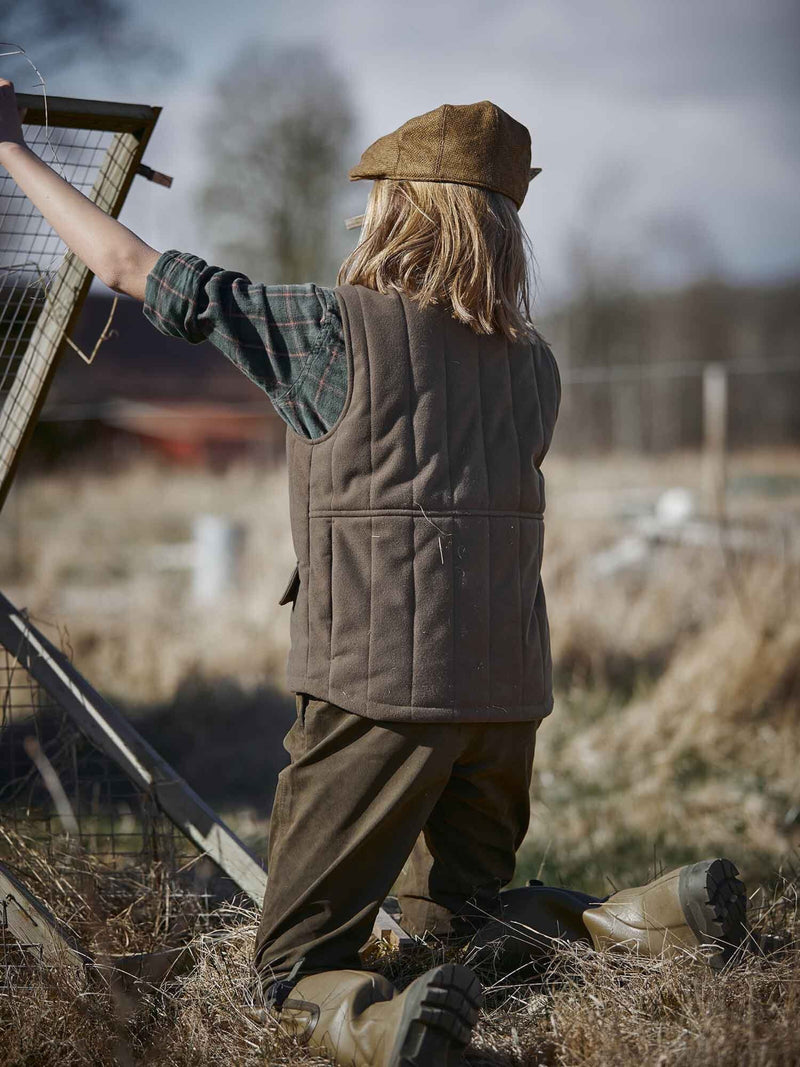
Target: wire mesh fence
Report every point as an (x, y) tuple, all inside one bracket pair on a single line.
[(89, 842), (97, 148), (115, 821)]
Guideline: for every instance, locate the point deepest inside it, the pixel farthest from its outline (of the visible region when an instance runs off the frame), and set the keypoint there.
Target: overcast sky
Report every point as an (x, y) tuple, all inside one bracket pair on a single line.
[(669, 133)]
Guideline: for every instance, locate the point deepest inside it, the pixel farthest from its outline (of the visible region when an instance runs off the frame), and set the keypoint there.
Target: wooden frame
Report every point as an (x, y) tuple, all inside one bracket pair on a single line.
[(48, 942), (115, 736), (132, 125), (34, 927)]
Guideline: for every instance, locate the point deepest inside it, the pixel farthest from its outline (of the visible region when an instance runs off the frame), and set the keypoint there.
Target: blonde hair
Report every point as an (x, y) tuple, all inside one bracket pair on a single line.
[(458, 246)]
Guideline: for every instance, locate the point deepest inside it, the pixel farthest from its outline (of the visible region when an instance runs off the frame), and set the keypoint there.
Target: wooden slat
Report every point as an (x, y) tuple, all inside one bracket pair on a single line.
[(32, 924), (47, 941), (73, 114), (114, 735)]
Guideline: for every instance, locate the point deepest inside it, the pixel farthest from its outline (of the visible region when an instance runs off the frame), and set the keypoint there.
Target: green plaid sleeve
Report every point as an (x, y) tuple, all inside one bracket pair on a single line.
[(288, 339)]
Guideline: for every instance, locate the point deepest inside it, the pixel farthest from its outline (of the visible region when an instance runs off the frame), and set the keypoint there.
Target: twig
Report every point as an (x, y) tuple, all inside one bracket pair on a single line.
[(53, 785), (443, 533)]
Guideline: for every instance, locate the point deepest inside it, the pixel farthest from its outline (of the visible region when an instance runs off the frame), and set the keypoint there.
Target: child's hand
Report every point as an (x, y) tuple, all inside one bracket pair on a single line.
[(10, 124)]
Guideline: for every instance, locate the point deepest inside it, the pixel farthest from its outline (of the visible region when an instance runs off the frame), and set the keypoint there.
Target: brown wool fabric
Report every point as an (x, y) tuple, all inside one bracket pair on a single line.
[(418, 523), (473, 144), (347, 812)]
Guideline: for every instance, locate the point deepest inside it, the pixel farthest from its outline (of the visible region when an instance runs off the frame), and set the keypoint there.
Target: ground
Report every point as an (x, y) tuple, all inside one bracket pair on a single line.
[(674, 737)]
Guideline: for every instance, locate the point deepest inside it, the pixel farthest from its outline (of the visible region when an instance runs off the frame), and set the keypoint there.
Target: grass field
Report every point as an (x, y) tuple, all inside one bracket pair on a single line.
[(675, 736)]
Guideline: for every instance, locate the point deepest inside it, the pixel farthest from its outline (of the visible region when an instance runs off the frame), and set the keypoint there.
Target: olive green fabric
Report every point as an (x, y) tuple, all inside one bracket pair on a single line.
[(348, 810), (472, 144), (417, 522)]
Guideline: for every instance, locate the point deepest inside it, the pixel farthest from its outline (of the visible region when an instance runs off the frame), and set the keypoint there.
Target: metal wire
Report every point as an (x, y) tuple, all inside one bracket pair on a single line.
[(31, 253), (117, 822), (131, 850)]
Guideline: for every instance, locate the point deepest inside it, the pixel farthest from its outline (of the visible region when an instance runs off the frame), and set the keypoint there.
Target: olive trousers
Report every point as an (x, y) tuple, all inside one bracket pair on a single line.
[(436, 809)]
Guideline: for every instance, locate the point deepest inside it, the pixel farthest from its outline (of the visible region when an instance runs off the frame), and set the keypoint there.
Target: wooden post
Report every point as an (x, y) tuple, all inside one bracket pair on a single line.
[(715, 427), (218, 545)]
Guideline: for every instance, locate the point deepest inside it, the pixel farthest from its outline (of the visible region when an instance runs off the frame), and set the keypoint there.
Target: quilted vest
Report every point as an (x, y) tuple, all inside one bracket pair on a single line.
[(417, 522)]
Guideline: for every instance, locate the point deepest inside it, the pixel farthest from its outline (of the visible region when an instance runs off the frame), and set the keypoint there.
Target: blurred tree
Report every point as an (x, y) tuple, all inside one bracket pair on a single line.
[(279, 141), (58, 34)]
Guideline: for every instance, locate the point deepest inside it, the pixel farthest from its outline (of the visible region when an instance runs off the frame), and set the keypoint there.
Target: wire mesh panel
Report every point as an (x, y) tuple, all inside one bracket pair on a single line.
[(93, 841), (97, 147), (114, 820)]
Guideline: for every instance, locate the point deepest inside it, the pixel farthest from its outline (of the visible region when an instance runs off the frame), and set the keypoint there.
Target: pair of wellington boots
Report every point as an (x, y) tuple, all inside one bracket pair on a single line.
[(700, 905), (360, 1020)]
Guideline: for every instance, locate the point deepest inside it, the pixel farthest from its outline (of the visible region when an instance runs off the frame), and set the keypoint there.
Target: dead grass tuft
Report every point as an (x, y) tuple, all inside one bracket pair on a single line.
[(585, 1008), (674, 737)]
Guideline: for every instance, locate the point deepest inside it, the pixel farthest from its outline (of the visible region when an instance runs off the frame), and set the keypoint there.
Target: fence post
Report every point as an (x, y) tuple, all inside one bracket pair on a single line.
[(218, 544), (715, 427)]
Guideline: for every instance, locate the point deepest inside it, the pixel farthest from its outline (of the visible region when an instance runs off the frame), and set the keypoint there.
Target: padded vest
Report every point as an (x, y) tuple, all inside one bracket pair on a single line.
[(417, 523)]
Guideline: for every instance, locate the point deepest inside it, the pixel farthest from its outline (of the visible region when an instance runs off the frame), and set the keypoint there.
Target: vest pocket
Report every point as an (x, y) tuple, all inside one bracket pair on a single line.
[(292, 589)]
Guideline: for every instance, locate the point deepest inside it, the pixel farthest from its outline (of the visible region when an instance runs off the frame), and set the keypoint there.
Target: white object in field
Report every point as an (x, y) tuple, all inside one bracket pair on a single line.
[(213, 557), (675, 506), (218, 544), (627, 552)]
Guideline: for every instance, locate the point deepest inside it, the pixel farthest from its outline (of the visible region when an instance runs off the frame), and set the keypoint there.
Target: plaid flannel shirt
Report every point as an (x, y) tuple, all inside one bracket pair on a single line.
[(288, 339)]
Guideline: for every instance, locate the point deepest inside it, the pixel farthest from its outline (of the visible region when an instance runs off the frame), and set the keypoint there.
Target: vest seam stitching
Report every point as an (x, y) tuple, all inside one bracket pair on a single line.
[(330, 583), (347, 337), (366, 364), (480, 513), (488, 531), (308, 541), (412, 527), (523, 664), (540, 483), (452, 540)]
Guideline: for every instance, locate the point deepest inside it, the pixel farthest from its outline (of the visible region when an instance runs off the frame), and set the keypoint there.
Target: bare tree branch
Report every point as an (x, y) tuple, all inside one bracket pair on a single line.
[(279, 141)]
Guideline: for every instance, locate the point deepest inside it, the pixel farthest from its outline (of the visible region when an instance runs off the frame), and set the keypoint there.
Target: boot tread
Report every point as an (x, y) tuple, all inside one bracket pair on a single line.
[(715, 903), (438, 1021)]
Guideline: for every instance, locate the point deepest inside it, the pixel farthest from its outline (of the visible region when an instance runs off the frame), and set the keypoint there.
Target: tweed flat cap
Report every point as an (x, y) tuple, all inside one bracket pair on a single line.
[(472, 144)]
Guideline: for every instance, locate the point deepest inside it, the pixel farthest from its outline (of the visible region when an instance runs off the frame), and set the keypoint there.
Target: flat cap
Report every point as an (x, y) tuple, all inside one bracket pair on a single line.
[(473, 144)]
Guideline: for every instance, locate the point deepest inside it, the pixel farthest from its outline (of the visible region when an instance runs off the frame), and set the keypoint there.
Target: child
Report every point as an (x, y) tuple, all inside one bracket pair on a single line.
[(420, 403)]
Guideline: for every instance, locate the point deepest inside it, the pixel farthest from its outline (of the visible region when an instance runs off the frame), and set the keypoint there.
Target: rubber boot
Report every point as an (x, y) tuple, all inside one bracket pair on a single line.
[(532, 918), (701, 904), (360, 1020)]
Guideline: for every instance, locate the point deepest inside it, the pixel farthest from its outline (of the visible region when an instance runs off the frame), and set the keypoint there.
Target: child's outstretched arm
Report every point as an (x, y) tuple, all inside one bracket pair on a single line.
[(109, 249)]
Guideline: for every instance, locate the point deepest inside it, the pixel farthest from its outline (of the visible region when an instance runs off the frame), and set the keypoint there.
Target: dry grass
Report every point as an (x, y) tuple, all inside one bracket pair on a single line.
[(85, 559), (585, 1008), (675, 736)]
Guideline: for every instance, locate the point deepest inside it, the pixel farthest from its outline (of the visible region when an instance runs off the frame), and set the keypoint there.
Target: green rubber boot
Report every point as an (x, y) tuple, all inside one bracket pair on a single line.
[(703, 904), (532, 920), (360, 1020), (700, 904)]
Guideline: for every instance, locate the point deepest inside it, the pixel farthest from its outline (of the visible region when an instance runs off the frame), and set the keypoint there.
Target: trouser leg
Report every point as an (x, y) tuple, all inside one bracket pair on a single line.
[(467, 852), (347, 811)]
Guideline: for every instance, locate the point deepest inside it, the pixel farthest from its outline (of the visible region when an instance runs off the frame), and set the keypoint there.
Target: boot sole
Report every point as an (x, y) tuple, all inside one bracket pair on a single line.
[(440, 1012), (714, 902)]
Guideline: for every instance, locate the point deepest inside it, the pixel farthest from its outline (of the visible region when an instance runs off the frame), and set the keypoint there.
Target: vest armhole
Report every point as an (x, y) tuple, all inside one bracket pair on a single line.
[(348, 347)]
